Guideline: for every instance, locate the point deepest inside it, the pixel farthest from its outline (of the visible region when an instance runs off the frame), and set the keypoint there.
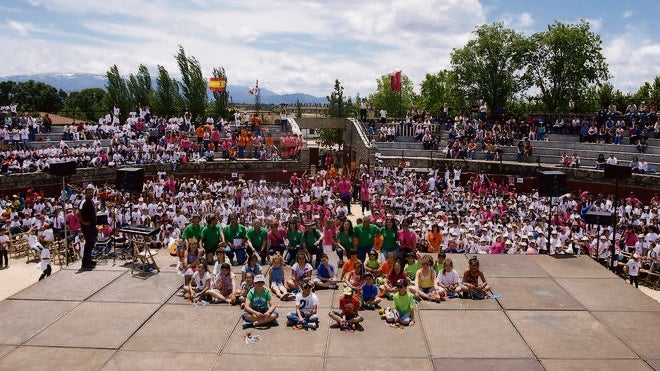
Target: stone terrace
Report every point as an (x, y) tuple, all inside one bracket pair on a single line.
[(554, 314), (548, 151)]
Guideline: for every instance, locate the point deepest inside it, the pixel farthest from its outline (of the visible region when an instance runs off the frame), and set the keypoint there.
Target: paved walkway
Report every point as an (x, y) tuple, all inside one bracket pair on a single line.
[(554, 314)]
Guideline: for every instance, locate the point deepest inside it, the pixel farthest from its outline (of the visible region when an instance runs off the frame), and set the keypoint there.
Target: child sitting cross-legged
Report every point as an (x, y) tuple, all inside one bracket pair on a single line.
[(325, 275), (355, 278), (372, 264), (404, 303), (347, 316), (306, 308), (425, 286), (369, 292)]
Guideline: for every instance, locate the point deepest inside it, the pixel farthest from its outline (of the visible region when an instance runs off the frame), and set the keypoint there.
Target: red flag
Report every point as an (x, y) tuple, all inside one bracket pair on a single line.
[(395, 81)]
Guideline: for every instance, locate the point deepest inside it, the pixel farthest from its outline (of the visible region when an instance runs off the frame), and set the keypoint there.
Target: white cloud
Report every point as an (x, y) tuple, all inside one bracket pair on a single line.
[(595, 24), (526, 20), (627, 14), (315, 41), (522, 21), (633, 59), (19, 28)]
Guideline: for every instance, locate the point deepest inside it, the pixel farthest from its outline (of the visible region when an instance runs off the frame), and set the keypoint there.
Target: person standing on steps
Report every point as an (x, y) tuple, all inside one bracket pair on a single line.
[(86, 214)]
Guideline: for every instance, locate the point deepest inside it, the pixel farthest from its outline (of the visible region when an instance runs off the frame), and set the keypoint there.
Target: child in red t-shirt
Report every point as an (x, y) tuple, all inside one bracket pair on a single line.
[(347, 317)]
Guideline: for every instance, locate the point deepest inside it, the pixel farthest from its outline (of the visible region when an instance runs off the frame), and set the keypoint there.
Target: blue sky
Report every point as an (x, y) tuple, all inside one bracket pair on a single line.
[(303, 46)]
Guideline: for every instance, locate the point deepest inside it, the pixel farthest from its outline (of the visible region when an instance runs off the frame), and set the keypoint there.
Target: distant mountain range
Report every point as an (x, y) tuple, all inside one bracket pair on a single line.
[(238, 93)]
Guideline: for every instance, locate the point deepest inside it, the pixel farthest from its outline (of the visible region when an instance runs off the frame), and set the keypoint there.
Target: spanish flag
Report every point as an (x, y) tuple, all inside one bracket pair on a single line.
[(217, 84)]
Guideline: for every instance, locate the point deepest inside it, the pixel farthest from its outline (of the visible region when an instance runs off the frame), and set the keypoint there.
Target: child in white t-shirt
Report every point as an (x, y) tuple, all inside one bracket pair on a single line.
[(633, 269), (44, 264)]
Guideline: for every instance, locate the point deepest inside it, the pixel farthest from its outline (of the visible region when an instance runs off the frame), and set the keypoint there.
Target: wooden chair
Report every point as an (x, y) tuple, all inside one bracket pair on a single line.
[(144, 255), (16, 249), (58, 252), (652, 278)]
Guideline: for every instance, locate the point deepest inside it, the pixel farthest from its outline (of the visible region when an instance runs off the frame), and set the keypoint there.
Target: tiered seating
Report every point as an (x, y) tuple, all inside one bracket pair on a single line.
[(547, 152)]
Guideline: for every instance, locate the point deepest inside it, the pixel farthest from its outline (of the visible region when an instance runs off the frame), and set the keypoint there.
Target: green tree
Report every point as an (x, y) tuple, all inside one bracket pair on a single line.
[(605, 95), (337, 106), (220, 98), (394, 102), (7, 91), (563, 61), (37, 96), (193, 84), (118, 93), (489, 66), (438, 89), (139, 86), (166, 99), (643, 94), (655, 90), (331, 138), (87, 104)]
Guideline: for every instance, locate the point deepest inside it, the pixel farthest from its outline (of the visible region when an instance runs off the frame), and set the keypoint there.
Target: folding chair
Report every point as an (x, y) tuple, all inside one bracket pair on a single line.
[(144, 255)]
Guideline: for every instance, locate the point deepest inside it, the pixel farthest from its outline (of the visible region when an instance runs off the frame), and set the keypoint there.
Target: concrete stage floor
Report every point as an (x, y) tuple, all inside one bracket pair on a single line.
[(554, 314)]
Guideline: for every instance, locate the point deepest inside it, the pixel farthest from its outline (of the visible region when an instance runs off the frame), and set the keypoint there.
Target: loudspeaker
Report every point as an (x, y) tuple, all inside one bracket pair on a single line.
[(617, 172), (130, 179), (598, 217), (552, 183), (62, 169)]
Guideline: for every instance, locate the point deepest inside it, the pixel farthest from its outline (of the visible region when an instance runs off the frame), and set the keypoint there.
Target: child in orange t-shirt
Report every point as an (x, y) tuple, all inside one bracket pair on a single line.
[(349, 265), (386, 266)]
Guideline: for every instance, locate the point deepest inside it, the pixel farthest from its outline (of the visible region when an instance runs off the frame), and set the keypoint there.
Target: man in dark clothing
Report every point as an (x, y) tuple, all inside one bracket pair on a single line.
[(87, 216)]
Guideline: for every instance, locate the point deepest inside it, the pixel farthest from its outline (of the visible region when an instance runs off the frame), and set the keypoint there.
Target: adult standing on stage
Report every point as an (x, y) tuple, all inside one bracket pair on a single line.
[(86, 213)]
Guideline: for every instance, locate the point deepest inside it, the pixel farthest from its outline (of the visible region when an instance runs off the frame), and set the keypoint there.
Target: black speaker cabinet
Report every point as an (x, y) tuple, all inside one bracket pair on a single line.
[(552, 183), (130, 179), (617, 171), (598, 217), (62, 169)]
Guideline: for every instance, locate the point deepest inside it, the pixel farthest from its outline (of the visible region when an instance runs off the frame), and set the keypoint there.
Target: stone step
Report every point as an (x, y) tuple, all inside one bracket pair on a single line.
[(399, 146), (604, 148), (70, 143), (621, 155), (512, 157)]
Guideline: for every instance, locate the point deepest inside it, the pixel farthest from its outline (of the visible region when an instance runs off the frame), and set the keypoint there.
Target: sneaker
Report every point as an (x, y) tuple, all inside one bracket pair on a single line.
[(247, 324), (274, 323), (313, 325)]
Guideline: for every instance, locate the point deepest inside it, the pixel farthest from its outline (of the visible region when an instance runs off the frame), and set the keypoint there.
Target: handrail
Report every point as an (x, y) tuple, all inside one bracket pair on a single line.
[(361, 132)]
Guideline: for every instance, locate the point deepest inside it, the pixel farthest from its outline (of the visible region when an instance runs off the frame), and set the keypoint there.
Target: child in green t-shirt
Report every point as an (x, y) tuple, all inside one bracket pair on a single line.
[(412, 265), (404, 303), (440, 262), (372, 264)]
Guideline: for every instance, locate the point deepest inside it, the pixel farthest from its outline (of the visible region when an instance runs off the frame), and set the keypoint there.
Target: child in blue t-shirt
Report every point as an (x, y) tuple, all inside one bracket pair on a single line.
[(325, 275), (369, 291)]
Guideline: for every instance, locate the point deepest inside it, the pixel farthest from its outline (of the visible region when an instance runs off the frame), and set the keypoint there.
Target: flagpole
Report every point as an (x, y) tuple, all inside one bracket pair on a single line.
[(257, 99), (400, 111)]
